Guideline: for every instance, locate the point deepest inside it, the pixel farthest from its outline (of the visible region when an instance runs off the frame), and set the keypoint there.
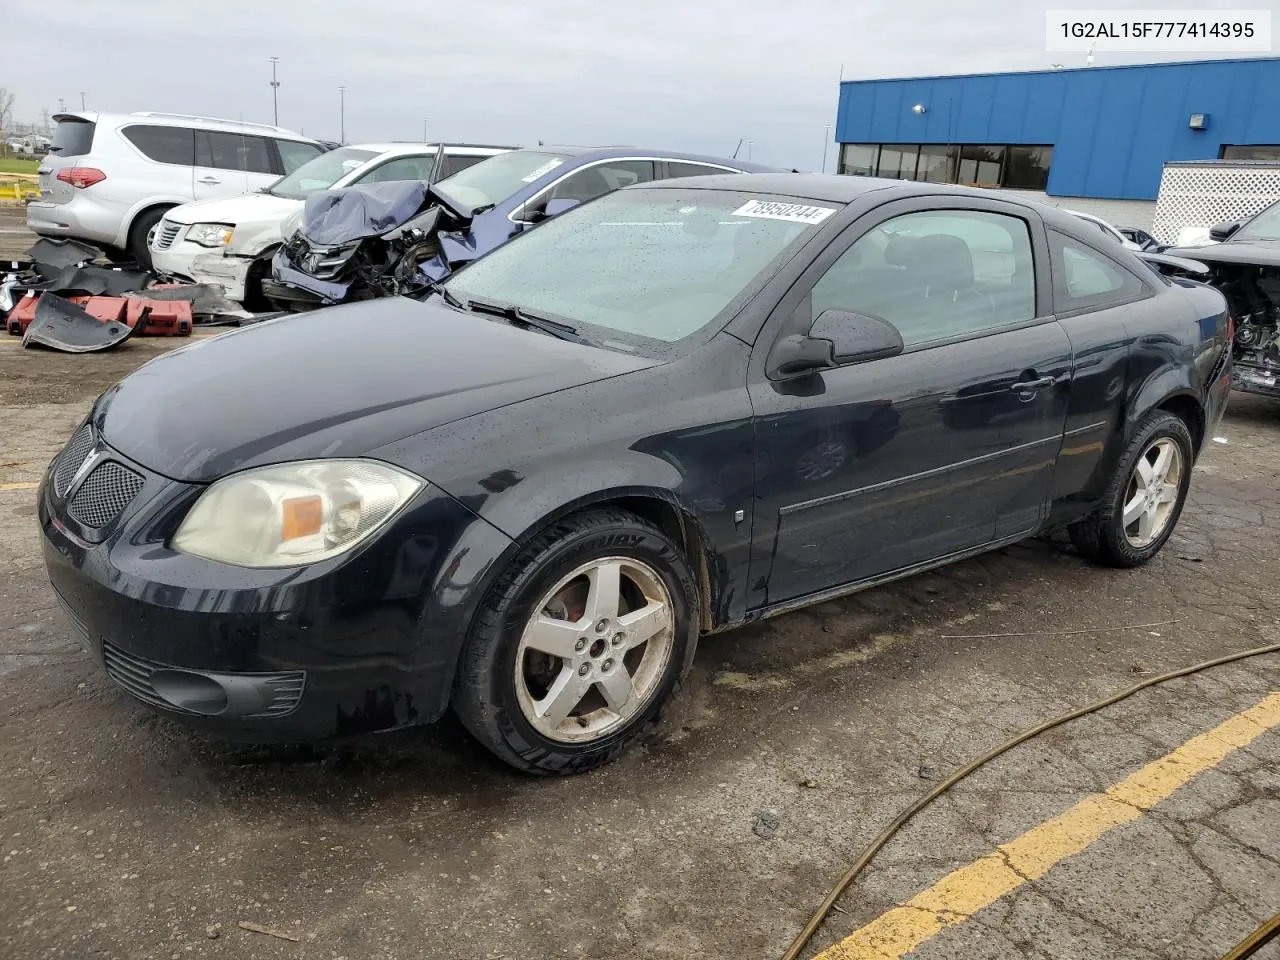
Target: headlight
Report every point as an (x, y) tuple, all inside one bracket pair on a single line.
[(293, 514), (210, 234)]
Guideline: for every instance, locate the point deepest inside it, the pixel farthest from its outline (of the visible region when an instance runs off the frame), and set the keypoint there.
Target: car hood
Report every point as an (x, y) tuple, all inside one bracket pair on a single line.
[(250, 208), (1262, 252), (337, 382)]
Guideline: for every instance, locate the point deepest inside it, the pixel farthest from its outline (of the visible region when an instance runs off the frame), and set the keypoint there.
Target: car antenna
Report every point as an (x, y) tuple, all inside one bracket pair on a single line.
[(738, 147)]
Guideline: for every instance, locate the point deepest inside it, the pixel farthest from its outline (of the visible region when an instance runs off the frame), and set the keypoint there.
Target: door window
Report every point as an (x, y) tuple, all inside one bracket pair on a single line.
[(596, 181), (161, 144), (401, 168), (232, 151), (294, 154), (936, 275), (1084, 278)]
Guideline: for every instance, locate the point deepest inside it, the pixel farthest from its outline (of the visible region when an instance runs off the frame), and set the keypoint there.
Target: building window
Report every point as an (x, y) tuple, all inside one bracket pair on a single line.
[(859, 158), (996, 165), (1027, 168), (1256, 151), (898, 161)]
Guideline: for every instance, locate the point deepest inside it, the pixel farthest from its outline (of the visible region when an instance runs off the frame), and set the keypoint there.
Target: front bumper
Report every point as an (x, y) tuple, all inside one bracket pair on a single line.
[(362, 643), (190, 261)]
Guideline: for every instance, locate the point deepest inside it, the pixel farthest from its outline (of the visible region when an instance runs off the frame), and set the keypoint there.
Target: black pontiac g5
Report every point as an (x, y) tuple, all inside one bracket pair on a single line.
[(677, 408)]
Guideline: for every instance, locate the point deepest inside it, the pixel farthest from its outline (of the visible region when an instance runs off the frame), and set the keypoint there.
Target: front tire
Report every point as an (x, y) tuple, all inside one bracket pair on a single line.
[(579, 645), (1144, 498)]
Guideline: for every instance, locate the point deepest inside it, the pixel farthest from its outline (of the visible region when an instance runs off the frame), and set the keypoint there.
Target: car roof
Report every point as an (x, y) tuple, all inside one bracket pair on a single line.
[(618, 151), (182, 120), (415, 147)]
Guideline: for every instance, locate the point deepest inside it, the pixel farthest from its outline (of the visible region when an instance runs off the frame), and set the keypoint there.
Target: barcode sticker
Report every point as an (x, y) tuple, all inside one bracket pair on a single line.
[(795, 212)]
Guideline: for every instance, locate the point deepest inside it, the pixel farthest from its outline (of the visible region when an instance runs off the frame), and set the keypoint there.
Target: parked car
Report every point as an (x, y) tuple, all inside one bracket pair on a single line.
[(680, 407), (368, 242), (1244, 262), (1108, 230), (230, 242), (1140, 239), (109, 177)]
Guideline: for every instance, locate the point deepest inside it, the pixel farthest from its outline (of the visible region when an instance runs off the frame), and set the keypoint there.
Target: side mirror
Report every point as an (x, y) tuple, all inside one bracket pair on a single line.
[(836, 339), (556, 207), (1221, 231)]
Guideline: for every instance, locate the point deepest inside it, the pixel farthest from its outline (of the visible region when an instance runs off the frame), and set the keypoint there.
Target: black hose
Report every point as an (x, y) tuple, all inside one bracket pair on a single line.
[(819, 915)]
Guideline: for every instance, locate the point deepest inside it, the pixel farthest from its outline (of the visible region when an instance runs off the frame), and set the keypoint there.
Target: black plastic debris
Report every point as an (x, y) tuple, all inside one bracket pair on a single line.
[(53, 256), (62, 325), (209, 304), (94, 281)]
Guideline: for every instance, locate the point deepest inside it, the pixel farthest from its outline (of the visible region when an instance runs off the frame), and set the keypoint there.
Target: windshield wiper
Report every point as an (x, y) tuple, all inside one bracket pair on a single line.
[(450, 297), (519, 316)]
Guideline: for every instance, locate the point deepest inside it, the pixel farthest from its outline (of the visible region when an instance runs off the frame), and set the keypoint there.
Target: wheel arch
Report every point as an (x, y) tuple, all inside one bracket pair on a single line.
[(657, 506), (1169, 389), (142, 210)]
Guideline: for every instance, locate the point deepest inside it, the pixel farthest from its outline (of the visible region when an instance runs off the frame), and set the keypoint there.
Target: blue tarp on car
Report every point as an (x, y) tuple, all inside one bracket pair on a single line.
[(353, 213)]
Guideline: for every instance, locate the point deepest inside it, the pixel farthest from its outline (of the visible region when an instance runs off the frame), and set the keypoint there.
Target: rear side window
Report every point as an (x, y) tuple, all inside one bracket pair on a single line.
[(1085, 279), (454, 162), (294, 154), (161, 144), (679, 168), (233, 151), (401, 168), (72, 138)]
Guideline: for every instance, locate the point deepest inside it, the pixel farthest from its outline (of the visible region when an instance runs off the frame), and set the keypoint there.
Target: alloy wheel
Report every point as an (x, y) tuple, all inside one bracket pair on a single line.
[(594, 650), (1152, 493)]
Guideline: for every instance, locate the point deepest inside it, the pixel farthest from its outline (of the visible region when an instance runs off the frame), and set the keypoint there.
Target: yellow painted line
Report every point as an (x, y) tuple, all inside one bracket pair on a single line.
[(20, 486), (962, 893)]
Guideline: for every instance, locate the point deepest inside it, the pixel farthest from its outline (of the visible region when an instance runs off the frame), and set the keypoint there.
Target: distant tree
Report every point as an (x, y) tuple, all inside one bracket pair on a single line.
[(6, 109)]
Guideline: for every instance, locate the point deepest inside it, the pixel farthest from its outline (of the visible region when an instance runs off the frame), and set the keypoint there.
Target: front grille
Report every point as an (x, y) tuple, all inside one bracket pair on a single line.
[(107, 490), (134, 674), (166, 233), (72, 457)]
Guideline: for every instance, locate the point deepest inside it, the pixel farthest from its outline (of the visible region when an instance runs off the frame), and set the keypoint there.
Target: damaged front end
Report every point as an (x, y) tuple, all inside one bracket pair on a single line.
[(360, 243)]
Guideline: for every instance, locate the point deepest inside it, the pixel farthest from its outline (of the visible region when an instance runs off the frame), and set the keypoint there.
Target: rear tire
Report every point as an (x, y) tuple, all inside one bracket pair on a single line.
[(1150, 482), (138, 234), (579, 645)]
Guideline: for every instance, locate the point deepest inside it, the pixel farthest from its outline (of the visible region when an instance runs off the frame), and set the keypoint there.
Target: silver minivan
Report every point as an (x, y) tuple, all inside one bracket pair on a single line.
[(109, 178)]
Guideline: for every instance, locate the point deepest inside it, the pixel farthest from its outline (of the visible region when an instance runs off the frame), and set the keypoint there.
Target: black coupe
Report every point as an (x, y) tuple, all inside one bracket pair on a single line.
[(677, 408)]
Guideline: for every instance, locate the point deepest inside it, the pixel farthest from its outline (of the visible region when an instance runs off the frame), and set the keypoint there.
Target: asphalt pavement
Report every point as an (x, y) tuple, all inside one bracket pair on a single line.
[(1150, 830)]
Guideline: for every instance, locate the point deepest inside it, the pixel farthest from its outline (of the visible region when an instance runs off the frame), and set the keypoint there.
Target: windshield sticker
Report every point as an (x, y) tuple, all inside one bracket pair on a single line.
[(795, 212), (543, 170)]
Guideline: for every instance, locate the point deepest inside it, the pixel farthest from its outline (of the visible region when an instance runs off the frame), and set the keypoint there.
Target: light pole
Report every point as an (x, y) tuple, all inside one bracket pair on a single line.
[(424, 129), (275, 87), (81, 99), (826, 136), (342, 114)]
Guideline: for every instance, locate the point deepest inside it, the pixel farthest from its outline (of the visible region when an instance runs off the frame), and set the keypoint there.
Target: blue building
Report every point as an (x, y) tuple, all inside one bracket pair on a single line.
[(1096, 132)]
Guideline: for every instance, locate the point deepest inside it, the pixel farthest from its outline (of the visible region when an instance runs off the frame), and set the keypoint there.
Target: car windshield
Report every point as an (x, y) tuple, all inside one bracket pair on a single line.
[(1265, 226), (644, 270), (491, 181), (321, 173)]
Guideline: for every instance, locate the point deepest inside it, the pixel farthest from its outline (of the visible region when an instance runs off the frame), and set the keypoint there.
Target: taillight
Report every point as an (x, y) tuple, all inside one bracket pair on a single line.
[(81, 177)]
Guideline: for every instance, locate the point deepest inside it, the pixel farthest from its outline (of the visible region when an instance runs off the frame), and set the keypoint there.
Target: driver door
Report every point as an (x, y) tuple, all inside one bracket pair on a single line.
[(879, 467)]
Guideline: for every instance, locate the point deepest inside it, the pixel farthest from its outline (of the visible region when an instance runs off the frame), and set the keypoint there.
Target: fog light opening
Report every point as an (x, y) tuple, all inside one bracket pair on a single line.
[(190, 691)]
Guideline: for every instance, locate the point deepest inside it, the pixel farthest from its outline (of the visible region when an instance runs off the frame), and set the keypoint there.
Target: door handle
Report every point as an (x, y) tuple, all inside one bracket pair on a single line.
[(210, 180), (1031, 386)]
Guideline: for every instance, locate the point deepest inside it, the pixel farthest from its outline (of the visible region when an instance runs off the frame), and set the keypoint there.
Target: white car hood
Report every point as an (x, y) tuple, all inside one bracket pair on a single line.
[(251, 209), (256, 218)]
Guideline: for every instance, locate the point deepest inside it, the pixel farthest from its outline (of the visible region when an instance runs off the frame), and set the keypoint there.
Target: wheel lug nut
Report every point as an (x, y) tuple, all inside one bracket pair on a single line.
[(584, 670), (617, 639), (581, 645), (607, 665), (602, 626)]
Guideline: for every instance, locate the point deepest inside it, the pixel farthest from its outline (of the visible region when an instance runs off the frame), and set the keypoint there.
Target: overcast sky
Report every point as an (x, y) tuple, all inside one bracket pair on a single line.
[(691, 74)]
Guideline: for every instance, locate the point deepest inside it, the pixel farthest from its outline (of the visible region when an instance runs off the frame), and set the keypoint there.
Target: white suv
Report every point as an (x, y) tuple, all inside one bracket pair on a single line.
[(109, 178), (230, 242)]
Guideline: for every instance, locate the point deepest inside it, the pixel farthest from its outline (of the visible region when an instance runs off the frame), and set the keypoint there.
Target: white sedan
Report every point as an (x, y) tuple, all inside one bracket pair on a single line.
[(229, 243)]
